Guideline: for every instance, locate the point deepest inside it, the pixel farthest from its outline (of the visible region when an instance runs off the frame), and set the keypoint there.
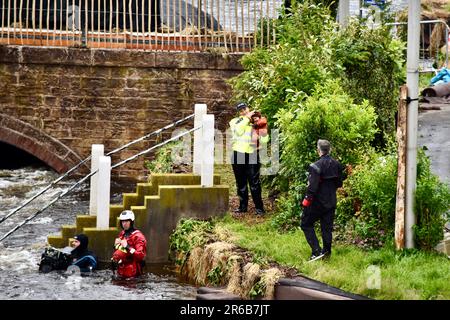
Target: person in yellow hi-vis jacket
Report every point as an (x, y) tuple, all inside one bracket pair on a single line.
[(249, 131)]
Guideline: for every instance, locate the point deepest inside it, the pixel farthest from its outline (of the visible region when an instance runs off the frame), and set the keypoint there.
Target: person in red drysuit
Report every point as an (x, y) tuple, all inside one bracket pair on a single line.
[(131, 248)]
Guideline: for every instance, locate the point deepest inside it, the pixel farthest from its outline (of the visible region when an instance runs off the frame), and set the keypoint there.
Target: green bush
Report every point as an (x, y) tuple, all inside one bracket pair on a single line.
[(366, 209), (168, 159), (373, 70), (329, 114), (163, 160), (289, 210), (432, 205), (283, 74), (189, 234)]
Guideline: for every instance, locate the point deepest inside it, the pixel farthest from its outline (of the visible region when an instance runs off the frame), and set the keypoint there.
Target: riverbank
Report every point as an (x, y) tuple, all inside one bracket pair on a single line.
[(378, 274)]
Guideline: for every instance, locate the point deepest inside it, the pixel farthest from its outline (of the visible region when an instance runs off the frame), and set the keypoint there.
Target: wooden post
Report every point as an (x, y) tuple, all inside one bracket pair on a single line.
[(401, 173)]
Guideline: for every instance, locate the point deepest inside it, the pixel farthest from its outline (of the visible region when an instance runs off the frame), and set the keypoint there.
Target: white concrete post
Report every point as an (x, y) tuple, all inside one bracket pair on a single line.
[(343, 12), (200, 111), (96, 153), (412, 81), (103, 192), (207, 167)]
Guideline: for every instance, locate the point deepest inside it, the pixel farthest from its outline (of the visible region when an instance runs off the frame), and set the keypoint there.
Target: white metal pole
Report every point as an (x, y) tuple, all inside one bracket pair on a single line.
[(412, 81), (199, 112), (343, 12), (103, 192), (96, 153), (207, 167)]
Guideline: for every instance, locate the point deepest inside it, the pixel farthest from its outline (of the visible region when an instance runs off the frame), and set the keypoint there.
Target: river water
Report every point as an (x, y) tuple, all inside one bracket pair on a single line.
[(21, 251)]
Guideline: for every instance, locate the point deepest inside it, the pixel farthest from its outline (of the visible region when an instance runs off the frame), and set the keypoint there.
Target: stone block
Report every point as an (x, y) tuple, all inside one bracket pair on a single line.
[(130, 199), (56, 241), (114, 212), (68, 231), (85, 221), (101, 242)]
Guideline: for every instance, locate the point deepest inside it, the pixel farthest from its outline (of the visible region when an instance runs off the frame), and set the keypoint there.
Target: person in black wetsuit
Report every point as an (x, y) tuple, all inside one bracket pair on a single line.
[(82, 257)]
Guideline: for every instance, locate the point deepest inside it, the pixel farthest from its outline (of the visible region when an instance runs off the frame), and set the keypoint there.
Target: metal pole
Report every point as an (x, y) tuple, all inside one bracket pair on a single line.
[(412, 81), (344, 12)]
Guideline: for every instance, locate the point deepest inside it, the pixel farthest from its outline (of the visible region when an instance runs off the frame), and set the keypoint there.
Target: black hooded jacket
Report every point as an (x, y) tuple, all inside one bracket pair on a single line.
[(325, 177), (82, 257)]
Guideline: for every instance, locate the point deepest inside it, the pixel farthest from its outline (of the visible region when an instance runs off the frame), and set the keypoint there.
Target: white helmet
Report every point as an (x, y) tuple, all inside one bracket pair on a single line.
[(127, 215)]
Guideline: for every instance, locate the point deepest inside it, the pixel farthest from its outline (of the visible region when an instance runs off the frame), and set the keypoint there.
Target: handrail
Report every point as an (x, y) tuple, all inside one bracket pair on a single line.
[(91, 174), (53, 183), (447, 30)]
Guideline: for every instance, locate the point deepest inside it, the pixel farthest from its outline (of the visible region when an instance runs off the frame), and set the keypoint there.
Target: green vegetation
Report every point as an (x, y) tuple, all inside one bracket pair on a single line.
[(189, 234), (315, 82), (169, 159), (404, 275), (163, 160), (366, 212), (320, 81)]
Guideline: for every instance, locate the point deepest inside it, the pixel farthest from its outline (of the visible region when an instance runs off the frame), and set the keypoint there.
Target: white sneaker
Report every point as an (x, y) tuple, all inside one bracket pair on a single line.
[(316, 257)]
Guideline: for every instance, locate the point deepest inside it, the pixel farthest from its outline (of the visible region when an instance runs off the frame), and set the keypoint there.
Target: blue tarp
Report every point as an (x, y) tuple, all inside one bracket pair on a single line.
[(442, 77)]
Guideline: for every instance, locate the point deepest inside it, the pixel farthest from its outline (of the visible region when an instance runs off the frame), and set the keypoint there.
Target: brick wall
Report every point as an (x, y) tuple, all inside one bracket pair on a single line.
[(71, 98)]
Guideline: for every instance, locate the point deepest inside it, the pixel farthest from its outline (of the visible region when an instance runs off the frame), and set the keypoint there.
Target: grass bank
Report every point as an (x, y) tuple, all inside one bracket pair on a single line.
[(403, 275)]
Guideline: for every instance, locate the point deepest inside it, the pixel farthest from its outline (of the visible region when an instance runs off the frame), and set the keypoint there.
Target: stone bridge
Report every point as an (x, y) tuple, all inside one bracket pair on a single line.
[(56, 102)]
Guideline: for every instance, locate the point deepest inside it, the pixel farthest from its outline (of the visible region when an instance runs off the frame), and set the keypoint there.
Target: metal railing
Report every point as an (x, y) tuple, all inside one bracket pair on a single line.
[(434, 34), (56, 181), (79, 182), (156, 25)]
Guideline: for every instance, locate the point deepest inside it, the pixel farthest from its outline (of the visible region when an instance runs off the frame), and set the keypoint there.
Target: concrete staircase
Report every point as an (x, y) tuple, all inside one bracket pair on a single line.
[(158, 206)]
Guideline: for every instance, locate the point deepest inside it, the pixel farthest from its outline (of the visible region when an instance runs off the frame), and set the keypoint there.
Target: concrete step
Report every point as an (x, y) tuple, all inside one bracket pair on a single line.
[(56, 241), (157, 206), (68, 231), (85, 221)]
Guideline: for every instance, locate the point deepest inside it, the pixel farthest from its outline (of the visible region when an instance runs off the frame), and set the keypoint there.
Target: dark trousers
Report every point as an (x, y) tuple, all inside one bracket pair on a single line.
[(246, 171), (310, 216)]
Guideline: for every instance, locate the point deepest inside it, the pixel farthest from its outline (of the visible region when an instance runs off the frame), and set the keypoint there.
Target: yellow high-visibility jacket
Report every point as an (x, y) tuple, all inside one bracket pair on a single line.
[(241, 130)]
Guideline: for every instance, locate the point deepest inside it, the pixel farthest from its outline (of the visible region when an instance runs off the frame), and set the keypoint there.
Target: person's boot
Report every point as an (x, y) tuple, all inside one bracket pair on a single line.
[(260, 212)]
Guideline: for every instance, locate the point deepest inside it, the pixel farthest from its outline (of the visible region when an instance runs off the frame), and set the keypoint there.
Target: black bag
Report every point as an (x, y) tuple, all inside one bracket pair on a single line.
[(54, 259)]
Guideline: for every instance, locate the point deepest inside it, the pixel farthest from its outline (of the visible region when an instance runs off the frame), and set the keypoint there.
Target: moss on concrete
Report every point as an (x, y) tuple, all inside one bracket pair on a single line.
[(140, 213), (143, 189), (85, 221), (68, 231), (130, 199), (102, 242), (56, 241)]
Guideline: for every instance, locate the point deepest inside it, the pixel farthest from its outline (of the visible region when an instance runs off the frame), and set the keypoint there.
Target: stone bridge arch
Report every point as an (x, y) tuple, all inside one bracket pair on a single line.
[(37, 143)]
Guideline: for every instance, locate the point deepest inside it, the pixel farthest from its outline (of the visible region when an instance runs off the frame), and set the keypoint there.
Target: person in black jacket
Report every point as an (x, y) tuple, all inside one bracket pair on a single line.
[(325, 177), (82, 257)]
